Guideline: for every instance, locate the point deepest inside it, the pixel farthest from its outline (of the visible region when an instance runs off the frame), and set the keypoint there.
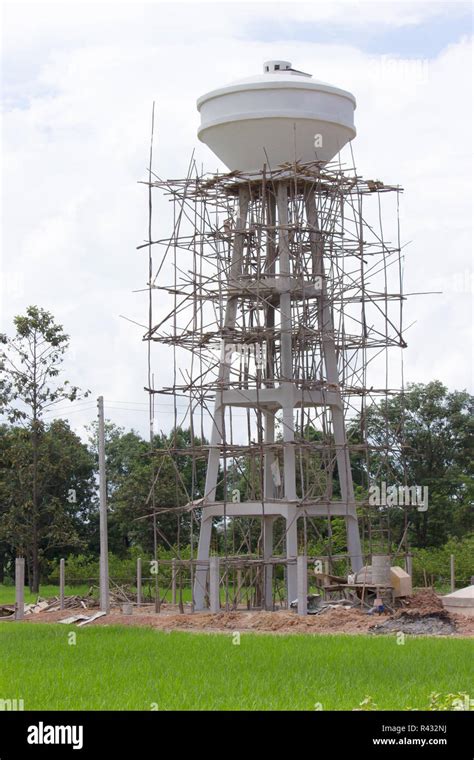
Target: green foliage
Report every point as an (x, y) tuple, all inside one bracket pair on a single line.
[(28, 364), (435, 562), (432, 430), (64, 488), (131, 469), (83, 568)]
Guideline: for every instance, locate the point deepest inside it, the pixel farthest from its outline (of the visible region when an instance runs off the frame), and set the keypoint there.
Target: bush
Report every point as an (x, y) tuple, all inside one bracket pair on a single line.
[(435, 562), (85, 569)]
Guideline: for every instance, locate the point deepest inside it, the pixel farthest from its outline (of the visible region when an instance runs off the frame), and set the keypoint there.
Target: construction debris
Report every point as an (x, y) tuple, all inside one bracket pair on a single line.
[(91, 619), (82, 619), (399, 580), (416, 623), (73, 619), (36, 607)]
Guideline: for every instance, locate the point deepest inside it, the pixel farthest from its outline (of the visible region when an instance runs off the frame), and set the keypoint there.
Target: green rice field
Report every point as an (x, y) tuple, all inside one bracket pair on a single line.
[(132, 668)]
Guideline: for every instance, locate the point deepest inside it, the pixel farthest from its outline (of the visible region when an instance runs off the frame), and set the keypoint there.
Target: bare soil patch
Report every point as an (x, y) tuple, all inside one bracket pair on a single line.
[(423, 614)]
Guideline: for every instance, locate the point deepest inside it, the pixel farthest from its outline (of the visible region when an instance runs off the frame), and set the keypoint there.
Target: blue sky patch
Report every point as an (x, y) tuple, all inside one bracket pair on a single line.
[(424, 40)]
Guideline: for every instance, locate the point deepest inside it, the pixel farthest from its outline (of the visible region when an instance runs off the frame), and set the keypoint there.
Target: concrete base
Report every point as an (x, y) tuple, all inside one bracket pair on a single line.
[(466, 611), (460, 602)]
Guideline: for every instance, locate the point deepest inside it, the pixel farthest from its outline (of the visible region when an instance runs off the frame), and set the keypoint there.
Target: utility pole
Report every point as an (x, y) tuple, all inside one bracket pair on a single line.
[(104, 557)]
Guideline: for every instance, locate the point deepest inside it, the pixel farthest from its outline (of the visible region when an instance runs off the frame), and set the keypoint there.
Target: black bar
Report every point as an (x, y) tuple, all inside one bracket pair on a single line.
[(375, 734)]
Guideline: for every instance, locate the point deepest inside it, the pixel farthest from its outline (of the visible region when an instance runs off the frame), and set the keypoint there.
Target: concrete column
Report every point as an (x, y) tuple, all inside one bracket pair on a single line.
[(19, 588), (269, 457), (214, 584), (104, 556), (139, 581), (353, 543), (268, 569), (302, 573), (291, 553), (200, 579), (62, 577), (224, 366), (326, 325), (286, 357)]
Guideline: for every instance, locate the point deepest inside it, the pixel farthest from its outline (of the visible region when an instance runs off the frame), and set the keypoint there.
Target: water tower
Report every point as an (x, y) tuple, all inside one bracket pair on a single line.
[(278, 118), (272, 305)]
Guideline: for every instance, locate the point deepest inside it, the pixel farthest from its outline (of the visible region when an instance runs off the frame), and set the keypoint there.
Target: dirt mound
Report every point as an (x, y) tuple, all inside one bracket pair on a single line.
[(333, 620), (424, 601)]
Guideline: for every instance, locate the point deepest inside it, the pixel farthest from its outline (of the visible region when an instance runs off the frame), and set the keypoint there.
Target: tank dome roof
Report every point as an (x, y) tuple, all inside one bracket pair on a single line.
[(279, 116)]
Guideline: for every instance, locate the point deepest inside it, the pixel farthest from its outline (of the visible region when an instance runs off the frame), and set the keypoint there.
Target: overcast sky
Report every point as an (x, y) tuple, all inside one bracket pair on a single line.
[(78, 82)]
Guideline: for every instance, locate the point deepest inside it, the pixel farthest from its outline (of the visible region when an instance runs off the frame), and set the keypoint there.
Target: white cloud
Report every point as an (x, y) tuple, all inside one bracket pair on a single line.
[(79, 85)]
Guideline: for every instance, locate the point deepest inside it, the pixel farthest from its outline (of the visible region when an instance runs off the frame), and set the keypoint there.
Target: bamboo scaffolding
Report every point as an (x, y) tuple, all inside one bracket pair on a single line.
[(193, 275)]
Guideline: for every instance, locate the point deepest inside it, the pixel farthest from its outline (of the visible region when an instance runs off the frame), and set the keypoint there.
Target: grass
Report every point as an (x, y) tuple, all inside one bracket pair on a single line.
[(7, 593), (121, 668)]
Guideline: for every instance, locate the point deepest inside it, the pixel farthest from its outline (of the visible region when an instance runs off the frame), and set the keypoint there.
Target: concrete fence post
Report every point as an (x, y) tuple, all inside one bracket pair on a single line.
[(453, 579), (139, 581), (302, 583), (19, 588), (173, 581), (62, 582)]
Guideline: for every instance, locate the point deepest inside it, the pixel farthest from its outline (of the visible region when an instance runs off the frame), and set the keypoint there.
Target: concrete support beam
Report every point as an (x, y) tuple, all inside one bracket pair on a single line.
[(282, 508), (274, 398)]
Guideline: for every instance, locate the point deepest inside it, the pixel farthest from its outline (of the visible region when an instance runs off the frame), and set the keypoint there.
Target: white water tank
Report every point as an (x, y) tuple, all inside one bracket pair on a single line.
[(281, 116)]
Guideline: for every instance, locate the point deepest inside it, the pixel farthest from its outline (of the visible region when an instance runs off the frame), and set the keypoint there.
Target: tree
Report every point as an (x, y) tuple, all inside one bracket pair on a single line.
[(432, 429), (129, 477), (65, 486), (29, 363)]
